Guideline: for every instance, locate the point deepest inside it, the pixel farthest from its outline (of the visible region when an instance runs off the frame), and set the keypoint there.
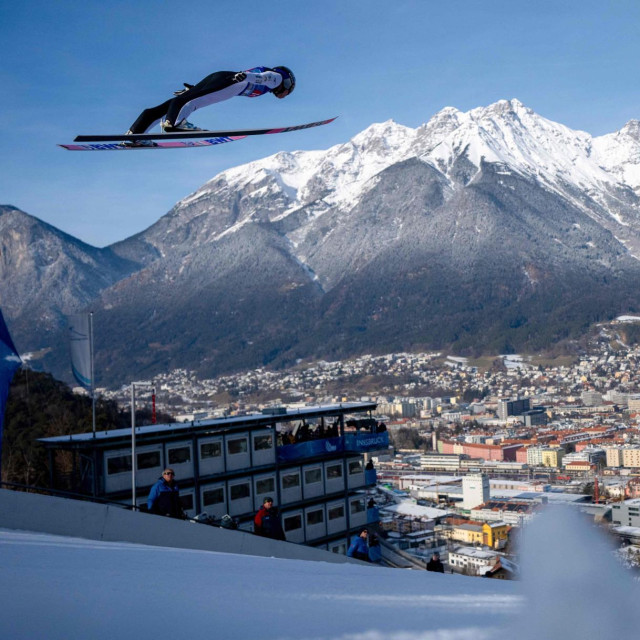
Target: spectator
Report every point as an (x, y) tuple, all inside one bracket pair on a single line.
[(435, 563), (358, 548), (164, 497), (267, 521)]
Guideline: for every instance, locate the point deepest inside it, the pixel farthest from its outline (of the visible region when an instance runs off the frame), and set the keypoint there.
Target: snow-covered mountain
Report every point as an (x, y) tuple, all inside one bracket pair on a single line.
[(490, 229), (599, 175)]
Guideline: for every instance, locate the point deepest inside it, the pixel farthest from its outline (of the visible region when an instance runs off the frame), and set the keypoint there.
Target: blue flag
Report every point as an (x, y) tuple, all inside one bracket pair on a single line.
[(9, 362)]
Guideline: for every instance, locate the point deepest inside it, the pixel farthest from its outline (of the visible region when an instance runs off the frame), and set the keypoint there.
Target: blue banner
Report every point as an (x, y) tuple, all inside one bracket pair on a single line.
[(353, 442), (9, 362), (361, 442), (309, 449)]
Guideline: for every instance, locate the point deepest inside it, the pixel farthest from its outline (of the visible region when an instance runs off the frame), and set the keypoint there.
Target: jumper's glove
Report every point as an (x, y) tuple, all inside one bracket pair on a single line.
[(239, 77), (187, 86)]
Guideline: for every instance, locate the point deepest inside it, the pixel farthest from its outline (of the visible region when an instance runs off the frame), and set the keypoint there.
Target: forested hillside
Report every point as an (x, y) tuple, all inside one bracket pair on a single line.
[(40, 406)]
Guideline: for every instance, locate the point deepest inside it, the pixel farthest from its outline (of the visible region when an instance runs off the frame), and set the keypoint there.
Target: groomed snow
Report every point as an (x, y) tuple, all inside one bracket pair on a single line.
[(68, 588), (573, 588)]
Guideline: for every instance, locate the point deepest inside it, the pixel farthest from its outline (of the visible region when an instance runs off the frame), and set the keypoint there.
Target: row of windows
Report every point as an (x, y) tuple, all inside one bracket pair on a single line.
[(181, 454), (316, 516), (213, 499), (290, 479), (290, 523), (266, 485)]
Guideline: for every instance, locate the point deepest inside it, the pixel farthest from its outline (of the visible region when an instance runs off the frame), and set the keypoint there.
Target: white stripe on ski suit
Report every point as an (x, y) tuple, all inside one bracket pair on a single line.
[(269, 79)]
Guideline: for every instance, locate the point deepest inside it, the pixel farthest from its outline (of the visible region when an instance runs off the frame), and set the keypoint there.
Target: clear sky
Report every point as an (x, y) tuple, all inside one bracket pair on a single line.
[(72, 67)]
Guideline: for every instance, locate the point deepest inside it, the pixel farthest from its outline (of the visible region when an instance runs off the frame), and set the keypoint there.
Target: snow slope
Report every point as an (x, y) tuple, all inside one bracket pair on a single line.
[(65, 588), (69, 588)]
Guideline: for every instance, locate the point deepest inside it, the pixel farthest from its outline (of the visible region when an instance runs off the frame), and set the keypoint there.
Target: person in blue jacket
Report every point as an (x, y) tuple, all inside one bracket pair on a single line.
[(358, 548), (164, 497), (216, 87)]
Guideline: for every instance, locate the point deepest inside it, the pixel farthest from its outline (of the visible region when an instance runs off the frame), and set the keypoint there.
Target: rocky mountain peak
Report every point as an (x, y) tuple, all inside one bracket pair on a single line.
[(632, 129)]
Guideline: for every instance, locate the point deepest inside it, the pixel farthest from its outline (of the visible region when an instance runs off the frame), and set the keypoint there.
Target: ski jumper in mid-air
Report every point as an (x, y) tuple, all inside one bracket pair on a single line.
[(222, 85)]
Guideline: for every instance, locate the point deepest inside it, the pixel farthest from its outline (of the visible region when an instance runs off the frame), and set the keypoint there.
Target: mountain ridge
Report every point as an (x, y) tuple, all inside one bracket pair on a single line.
[(488, 229)]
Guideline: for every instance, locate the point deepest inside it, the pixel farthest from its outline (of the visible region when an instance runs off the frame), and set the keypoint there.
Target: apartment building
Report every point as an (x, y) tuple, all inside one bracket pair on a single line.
[(614, 456), (631, 457), (552, 457)]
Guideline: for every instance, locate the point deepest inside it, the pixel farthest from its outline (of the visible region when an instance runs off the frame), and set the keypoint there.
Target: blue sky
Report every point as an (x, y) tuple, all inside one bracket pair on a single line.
[(69, 68)]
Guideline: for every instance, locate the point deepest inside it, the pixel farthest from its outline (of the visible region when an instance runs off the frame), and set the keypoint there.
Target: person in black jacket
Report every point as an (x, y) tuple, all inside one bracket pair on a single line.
[(164, 497), (435, 564), (267, 521)]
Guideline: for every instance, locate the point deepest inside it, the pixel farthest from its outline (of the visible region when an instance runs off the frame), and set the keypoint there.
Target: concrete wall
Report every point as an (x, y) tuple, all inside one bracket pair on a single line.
[(59, 516)]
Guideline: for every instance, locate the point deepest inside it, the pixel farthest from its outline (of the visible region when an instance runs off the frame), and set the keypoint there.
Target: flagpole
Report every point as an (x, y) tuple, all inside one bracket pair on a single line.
[(93, 379)]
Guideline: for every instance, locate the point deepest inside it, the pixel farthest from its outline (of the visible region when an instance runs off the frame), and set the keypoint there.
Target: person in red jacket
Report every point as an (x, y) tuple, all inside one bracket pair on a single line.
[(267, 521)]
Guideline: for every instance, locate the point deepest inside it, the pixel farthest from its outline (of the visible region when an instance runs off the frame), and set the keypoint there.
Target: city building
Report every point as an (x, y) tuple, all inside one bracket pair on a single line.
[(614, 456), (467, 533), (512, 407), (495, 534), (591, 398), (552, 457), (475, 490), (626, 514), (304, 459), (534, 456), (633, 402), (578, 466), (441, 461), (512, 512), (631, 457), (490, 534), (535, 417), (471, 561)]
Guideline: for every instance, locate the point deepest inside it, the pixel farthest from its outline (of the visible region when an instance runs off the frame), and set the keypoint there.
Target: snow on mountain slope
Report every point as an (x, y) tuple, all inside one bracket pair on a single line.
[(509, 133), (619, 154), (562, 159), (595, 174)]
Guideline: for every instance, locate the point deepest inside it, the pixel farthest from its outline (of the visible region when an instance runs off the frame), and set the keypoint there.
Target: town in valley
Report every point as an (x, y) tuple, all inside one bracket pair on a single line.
[(477, 446)]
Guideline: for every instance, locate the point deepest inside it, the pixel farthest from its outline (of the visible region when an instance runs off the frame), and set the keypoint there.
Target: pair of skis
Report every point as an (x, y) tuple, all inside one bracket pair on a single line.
[(177, 140)]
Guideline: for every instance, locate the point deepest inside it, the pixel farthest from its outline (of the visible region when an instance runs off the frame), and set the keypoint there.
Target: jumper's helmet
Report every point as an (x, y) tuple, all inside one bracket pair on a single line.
[(288, 82)]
